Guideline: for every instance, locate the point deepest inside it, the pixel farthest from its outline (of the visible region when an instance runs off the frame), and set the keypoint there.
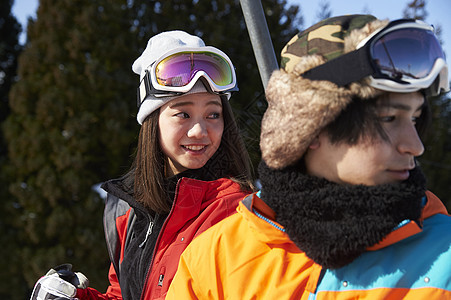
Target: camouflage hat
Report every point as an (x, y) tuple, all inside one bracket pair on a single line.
[(325, 38), (299, 108)]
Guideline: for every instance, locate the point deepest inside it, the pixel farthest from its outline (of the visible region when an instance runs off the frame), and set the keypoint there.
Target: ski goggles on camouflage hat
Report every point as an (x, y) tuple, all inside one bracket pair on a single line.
[(176, 72), (404, 56)]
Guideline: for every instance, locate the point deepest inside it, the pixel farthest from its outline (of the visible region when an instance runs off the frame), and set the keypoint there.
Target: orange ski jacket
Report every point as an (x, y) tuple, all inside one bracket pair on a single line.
[(247, 256)]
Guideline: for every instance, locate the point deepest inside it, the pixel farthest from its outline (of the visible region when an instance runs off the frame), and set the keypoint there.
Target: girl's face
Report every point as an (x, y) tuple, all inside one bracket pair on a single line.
[(377, 161), (190, 130)]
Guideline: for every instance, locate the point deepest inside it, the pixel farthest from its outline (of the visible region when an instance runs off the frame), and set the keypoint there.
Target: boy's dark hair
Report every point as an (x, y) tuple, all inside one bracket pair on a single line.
[(359, 120)]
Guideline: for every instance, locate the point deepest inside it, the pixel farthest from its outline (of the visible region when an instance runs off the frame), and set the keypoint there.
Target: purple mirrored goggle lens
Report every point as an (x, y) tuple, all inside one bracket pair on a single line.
[(179, 69), (408, 53)]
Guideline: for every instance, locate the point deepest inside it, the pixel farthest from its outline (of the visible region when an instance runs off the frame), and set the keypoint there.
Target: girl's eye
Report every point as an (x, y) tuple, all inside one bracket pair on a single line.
[(182, 115), (214, 116)]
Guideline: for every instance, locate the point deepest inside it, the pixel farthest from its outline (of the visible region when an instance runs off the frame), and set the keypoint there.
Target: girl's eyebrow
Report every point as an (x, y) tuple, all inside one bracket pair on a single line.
[(181, 104), (214, 102), (184, 103)]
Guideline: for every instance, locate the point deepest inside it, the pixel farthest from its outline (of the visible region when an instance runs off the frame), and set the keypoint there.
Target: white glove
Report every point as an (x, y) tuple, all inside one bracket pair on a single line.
[(59, 283)]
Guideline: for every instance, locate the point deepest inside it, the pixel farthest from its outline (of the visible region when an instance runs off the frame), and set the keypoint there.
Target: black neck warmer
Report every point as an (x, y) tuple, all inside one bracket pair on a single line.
[(334, 223)]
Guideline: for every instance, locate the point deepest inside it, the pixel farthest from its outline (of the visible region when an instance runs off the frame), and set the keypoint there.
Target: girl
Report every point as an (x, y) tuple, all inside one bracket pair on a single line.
[(190, 171)]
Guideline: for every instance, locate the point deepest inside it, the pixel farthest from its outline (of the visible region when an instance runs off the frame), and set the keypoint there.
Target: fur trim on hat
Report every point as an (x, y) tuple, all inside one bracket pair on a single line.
[(299, 108)]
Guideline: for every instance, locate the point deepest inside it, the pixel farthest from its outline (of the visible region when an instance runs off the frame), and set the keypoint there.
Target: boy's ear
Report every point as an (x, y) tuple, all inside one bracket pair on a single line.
[(315, 143)]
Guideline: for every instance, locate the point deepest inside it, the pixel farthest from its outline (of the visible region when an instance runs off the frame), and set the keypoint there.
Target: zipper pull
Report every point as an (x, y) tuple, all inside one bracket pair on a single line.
[(149, 232), (160, 280)]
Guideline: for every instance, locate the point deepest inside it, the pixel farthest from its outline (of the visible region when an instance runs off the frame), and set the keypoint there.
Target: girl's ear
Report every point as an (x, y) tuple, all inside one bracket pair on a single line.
[(315, 143)]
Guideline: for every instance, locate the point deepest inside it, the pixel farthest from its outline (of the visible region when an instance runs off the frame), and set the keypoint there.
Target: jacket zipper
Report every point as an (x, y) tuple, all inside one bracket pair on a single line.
[(160, 279), (267, 220), (149, 232)]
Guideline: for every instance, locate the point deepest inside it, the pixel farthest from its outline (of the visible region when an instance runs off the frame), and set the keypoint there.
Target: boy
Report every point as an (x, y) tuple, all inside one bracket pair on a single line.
[(343, 211)]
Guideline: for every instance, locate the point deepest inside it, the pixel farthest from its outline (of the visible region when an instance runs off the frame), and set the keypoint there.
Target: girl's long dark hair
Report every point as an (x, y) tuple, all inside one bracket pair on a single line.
[(148, 169)]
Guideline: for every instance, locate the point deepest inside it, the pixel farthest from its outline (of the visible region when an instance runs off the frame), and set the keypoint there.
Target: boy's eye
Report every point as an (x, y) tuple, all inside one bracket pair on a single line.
[(387, 118)]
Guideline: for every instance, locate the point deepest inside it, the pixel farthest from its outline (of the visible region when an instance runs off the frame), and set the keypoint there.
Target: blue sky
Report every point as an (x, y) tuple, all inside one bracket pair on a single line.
[(439, 12)]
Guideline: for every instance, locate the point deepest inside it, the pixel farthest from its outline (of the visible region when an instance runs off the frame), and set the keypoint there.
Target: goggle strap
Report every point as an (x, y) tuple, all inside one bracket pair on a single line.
[(145, 89), (344, 69), (138, 97)]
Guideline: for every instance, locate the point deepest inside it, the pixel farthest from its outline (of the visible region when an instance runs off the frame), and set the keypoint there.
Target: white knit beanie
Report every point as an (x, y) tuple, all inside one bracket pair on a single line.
[(156, 47)]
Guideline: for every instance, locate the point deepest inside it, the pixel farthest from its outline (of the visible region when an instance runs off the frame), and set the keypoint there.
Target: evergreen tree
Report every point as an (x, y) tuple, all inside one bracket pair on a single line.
[(416, 10), (10, 274), (324, 10), (9, 51), (436, 161), (70, 127)]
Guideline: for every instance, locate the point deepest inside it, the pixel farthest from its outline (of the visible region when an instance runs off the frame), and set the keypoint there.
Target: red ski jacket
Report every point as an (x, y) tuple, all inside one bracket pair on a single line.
[(197, 206)]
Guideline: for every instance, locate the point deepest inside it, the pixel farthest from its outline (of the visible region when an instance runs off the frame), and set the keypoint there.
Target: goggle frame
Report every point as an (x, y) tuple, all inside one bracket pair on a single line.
[(358, 64), (150, 86)]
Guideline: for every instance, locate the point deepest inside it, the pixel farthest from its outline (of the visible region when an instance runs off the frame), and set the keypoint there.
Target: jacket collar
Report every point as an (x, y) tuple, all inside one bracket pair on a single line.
[(433, 206), (267, 233), (193, 195)]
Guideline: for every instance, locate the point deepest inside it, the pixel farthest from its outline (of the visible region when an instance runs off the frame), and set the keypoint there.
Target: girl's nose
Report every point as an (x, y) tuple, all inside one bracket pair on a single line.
[(198, 130)]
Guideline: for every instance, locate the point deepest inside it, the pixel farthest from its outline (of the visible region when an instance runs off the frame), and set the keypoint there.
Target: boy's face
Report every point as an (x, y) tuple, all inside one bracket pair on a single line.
[(373, 161)]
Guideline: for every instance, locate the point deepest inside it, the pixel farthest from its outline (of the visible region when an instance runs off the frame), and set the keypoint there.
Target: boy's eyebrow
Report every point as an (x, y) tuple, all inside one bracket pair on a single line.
[(402, 106)]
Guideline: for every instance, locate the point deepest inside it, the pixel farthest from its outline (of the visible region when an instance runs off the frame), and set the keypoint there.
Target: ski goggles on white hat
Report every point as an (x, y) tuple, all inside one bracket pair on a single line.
[(178, 70), (404, 56)]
